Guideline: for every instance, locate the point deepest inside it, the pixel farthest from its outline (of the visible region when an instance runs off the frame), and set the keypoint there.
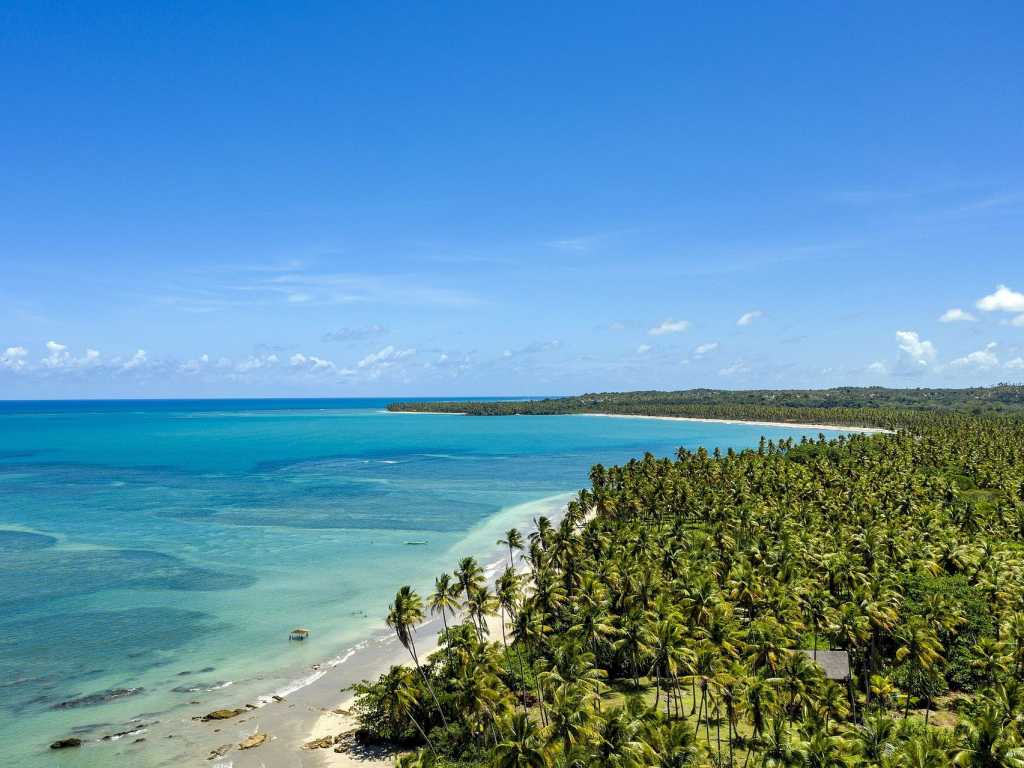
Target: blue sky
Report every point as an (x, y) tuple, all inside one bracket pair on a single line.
[(213, 199)]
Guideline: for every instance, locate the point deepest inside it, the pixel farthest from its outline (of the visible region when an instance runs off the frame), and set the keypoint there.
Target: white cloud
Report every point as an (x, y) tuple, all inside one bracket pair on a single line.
[(748, 317), (310, 362), (643, 349), (956, 315), (256, 362), (58, 357), (1018, 321), (299, 298), (13, 358), (878, 367), (195, 365), (703, 349), (1017, 363), (1003, 300), (135, 361), (385, 357), (982, 359), (918, 350), (615, 325), (670, 326)]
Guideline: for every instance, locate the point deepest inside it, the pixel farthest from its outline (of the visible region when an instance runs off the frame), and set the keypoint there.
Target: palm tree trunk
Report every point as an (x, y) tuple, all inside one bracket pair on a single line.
[(424, 735), (718, 731), (426, 682)]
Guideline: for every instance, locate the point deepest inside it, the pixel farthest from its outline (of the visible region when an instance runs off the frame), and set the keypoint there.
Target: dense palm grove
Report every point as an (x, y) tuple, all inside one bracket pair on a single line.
[(659, 622)]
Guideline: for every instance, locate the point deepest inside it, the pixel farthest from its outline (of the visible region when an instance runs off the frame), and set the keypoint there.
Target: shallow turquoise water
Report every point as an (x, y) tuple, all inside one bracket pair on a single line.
[(164, 549)]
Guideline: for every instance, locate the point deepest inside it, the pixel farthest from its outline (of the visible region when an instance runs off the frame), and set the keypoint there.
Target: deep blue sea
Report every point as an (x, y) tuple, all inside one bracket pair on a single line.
[(153, 553)]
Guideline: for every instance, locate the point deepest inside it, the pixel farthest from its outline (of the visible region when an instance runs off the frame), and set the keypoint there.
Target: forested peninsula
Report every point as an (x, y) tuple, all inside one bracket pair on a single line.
[(844, 406), (682, 611)]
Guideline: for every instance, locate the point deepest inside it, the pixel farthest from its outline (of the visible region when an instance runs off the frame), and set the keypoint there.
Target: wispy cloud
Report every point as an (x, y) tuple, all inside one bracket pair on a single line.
[(300, 288), (578, 244), (749, 317), (738, 368), (345, 335), (956, 315), (703, 349), (533, 348), (669, 326), (385, 358)]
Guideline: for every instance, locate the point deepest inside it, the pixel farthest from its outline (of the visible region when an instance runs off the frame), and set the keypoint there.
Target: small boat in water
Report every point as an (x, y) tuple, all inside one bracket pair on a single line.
[(415, 543), (300, 633)]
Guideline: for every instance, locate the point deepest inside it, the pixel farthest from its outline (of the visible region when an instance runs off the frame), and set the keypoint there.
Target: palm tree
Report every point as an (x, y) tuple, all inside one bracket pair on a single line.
[(513, 540), (404, 614), (619, 742), (875, 740), (444, 599), (990, 658), (570, 723), (779, 751), (985, 744), (758, 703), (932, 749), (633, 643), (921, 649), (522, 745), (405, 701), (824, 751), (1013, 631), (673, 743)]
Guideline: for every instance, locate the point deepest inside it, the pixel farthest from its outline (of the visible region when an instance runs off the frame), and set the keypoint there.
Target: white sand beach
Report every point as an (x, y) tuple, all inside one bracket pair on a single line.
[(785, 424)]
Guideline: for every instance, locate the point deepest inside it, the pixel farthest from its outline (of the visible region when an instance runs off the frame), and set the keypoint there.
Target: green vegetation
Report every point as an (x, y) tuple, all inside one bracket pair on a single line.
[(853, 406), (660, 621)]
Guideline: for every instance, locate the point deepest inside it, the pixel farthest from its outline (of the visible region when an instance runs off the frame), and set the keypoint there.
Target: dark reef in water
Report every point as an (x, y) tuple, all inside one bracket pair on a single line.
[(100, 697)]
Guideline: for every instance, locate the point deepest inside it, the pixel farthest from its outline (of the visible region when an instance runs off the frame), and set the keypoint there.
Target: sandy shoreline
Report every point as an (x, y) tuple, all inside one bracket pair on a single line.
[(783, 424), (321, 708)]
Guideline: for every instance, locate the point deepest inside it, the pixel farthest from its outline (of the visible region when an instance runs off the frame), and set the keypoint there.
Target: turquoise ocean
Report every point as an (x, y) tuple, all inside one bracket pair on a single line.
[(155, 554)]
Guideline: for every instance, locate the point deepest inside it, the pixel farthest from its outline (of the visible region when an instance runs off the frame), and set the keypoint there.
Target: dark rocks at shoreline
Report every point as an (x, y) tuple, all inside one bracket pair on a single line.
[(220, 714), (66, 743), (325, 743), (100, 697)]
